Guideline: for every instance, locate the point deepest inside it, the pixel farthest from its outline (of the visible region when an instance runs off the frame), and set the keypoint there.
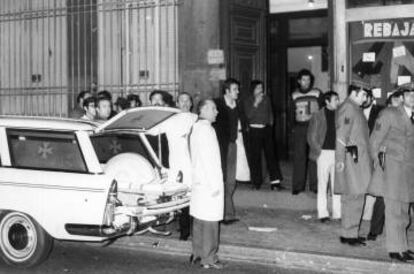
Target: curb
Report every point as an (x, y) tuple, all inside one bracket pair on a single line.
[(281, 258)]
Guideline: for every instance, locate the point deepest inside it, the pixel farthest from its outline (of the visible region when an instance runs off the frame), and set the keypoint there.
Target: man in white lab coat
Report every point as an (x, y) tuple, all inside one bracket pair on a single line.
[(207, 200)]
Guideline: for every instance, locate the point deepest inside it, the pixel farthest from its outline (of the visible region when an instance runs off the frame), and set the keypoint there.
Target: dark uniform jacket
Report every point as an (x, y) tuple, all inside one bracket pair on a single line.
[(394, 134), (373, 114), (352, 129), (222, 127), (316, 134)]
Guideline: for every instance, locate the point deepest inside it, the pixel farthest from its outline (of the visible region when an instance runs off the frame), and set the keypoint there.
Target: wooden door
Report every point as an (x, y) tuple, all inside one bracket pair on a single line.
[(244, 40)]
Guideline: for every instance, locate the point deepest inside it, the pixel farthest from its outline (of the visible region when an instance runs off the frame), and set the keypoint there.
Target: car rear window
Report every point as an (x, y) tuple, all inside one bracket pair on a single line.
[(110, 145), (45, 150)]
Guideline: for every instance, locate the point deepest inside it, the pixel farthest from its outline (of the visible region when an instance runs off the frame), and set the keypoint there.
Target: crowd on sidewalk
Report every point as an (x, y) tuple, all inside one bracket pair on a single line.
[(361, 149)]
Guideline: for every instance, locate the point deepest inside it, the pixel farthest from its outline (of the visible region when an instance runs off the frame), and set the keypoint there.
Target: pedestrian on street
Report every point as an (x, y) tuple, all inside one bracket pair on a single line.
[(207, 195), (231, 128), (258, 109), (89, 106), (185, 104), (321, 140), (134, 100), (395, 99), (378, 213), (392, 149), (157, 98), (374, 207), (77, 112), (121, 104), (106, 95), (353, 164), (305, 101), (103, 109)]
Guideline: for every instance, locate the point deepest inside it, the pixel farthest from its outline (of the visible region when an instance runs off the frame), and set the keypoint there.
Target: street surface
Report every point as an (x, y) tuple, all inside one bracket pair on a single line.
[(84, 258)]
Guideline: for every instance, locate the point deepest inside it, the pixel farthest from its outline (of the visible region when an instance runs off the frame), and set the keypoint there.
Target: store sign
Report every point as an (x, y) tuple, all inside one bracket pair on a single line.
[(403, 28)]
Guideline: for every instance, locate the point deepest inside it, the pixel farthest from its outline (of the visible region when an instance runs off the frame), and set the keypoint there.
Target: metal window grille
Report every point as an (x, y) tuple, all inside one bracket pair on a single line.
[(50, 50)]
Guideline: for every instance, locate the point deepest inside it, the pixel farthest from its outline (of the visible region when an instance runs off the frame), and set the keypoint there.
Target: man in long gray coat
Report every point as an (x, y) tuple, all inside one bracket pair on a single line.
[(353, 163), (392, 149)]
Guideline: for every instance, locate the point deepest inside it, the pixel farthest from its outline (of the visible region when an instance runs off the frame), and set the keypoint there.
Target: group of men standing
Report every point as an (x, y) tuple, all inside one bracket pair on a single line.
[(101, 107), (363, 154), (358, 153)]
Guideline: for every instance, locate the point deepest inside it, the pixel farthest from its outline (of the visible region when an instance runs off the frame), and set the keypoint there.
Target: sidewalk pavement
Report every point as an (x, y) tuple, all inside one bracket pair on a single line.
[(279, 228)]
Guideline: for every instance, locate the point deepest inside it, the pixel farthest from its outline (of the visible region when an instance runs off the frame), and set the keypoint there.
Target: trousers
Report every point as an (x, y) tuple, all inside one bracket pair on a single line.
[(378, 217), (261, 140), (205, 240), (326, 171), (397, 220), (352, 207), (230, 182), (301, 165)]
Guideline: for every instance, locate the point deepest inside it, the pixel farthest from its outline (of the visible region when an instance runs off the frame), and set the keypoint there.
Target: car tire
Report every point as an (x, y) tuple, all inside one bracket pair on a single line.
[(23, 242)]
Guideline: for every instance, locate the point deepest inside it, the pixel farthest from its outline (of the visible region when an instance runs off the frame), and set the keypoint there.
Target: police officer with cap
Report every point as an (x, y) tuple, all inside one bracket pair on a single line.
[(353, 164), (392, 149)]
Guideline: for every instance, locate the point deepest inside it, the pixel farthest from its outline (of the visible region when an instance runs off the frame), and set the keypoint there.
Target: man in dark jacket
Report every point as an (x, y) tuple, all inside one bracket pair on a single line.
[(78, 111), (229, 123), (392, 150), (321, 140)]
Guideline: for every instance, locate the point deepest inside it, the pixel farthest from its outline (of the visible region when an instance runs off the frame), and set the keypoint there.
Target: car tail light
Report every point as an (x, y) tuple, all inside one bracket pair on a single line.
[(111, 203)]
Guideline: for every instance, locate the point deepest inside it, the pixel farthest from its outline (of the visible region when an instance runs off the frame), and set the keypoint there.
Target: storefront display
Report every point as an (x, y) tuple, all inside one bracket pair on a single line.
[(382, 54)]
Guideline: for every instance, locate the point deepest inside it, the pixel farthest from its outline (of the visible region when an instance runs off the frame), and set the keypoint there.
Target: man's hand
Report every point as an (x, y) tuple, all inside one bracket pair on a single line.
[(340, 166), (258, 99), (353, 150)]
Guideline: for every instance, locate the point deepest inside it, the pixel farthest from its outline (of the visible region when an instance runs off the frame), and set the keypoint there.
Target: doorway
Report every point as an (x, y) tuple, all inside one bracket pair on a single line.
[(297, 40)]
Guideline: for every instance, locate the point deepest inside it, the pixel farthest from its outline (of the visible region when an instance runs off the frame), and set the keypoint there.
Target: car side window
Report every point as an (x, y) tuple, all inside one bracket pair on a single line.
[(58, 151)]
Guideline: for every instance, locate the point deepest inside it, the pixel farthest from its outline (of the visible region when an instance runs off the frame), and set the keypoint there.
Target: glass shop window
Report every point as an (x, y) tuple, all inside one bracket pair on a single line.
[(376, 3), (382, 54)]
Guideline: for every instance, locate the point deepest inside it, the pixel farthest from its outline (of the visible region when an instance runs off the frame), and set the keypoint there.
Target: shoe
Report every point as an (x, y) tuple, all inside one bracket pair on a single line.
[(229, 221), (410, 252), (353, 241), (194, 260), (408, 257), (216, 265), (371, 237), (278, 186), (183, 238), (295, 192), (324, 220), (397, 256)]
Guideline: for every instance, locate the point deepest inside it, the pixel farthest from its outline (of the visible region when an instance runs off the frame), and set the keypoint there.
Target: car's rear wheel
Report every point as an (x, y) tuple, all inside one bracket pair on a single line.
[(23, 242)]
